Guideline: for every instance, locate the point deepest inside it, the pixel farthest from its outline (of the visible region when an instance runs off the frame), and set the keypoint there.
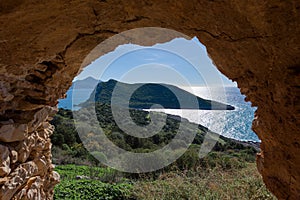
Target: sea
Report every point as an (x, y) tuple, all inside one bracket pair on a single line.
[(234, 124)]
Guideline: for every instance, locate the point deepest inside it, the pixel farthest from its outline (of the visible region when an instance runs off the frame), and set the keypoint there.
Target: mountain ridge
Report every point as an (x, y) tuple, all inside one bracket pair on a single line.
[(145, 95), (84, 83)]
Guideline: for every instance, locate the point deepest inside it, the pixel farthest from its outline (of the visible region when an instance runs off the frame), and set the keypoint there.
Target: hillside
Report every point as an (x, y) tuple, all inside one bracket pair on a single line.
[(228, 170), (146, 95), (65, 135), (86, 83)]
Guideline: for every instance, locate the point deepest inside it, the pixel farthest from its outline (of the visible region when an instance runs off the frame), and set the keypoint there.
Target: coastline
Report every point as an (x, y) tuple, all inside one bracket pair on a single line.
[(254, 144)]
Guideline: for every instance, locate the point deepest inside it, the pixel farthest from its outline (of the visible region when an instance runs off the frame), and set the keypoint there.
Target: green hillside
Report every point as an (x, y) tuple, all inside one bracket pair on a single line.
[(146, 95)]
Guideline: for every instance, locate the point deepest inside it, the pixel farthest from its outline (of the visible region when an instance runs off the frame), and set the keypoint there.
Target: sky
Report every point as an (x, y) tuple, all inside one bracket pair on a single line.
[(179, 62)]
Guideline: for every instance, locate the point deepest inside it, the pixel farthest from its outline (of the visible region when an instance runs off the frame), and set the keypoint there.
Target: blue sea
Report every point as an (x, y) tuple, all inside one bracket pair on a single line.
[(80, 96), (232, 123)]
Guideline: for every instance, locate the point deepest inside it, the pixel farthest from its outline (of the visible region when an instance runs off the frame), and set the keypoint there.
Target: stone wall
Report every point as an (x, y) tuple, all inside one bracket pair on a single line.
[(43, 43)]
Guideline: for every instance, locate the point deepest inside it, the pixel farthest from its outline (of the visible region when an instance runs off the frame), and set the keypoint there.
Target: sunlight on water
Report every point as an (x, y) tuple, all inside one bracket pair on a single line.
[(234, 124)]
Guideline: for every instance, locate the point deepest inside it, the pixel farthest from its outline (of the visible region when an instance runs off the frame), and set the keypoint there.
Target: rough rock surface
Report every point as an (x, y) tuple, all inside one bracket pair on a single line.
[(42, 44)]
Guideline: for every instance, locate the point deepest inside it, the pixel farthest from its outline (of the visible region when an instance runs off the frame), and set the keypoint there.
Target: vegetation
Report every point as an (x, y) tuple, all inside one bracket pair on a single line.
[(146, 95), (68, 148), (228, 172), (83, 182), (211, 184)]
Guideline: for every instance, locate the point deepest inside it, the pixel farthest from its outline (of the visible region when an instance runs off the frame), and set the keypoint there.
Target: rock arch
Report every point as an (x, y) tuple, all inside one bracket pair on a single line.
[(255, 43)]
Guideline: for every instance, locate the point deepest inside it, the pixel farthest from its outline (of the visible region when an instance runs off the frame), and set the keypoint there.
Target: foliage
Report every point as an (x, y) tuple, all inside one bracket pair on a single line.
[(200, 183), (86, 182), (68, 148), (104, 174), (227, 172), (146, 95), (91, 189), (211, 184)]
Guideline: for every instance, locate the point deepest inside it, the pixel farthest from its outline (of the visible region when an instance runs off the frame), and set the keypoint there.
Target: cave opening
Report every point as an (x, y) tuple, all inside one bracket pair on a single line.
[(190, 69), (131, 64), (253, 44)]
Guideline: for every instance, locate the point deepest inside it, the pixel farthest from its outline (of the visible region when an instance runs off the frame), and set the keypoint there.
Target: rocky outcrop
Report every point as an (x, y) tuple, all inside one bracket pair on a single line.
[(25, 169), (43, 43)]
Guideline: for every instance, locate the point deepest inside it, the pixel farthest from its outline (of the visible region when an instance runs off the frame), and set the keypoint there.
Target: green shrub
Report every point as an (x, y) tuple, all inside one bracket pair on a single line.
[(91, 190)]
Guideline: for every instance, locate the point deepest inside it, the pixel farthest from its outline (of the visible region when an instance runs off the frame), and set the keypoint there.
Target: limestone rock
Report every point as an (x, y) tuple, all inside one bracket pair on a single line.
[(14, 156), (24, 148), (32, 191), (13, 132), (17, 179), (3, 180), (4, 161), (4, 94), (40, 117), (42, 165)]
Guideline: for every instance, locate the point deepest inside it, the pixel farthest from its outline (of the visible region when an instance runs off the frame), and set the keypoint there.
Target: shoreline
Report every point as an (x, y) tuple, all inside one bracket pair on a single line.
[(254, 144), (251, 143)]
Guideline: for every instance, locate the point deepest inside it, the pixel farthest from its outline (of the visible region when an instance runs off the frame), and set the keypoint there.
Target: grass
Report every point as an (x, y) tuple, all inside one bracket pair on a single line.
[(227, 172), (91, 190), (214, 183), (85, 182)]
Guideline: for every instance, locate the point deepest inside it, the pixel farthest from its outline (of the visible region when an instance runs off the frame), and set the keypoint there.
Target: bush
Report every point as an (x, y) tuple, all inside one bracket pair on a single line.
[(189, 160), (91, 190), (227, 161)]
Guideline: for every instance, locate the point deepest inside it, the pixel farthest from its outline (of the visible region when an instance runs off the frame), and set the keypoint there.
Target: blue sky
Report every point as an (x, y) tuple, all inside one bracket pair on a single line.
[(179, 62)]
